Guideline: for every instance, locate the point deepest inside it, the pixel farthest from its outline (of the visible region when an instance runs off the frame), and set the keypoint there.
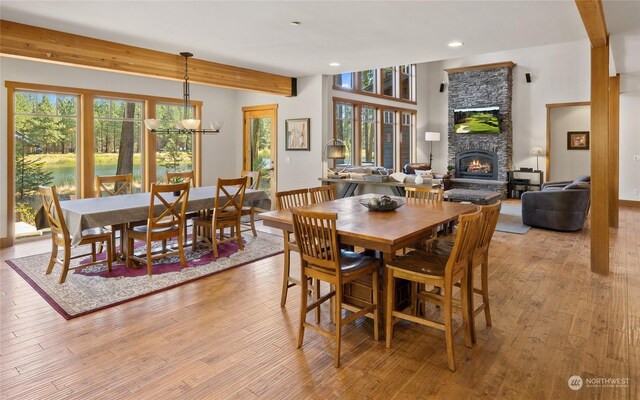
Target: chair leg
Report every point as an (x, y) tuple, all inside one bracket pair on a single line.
[(338, 322), (194, 235), (389, 306), (93, 252), (448, 329), (129, 252), (376, 309), (316, 296), (109, 253), (252, 221), (303, 309), (485, 290), (150, 257), (181, 241), (214, 241), (285, 275), (54, 255), (239, 236), (465, 293), (65, 264)]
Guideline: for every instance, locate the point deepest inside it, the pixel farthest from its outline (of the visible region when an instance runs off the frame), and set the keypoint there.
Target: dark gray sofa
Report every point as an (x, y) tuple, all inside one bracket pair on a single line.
[(561, 208)]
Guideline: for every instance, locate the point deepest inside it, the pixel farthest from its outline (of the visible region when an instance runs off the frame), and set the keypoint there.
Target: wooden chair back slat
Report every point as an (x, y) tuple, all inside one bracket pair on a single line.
[(317, 239), (122, 184), (322, 194), (229, 198), (292, 198), (173, 212), (489, 215), (53, 212), (254, 177), (423, 193), (184, 175), (466, 240)]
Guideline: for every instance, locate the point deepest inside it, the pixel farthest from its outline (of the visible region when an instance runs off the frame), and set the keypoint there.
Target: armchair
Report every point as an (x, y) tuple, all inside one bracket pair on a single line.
[(558, 208)]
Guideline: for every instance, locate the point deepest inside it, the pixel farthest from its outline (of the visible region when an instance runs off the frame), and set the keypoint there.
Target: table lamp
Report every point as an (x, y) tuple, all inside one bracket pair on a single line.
[(431, 137), (335, 149), (537, 151)]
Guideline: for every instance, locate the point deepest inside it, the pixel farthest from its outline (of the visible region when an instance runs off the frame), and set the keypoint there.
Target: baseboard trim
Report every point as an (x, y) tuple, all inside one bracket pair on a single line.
[(629, 203), (5, 242)]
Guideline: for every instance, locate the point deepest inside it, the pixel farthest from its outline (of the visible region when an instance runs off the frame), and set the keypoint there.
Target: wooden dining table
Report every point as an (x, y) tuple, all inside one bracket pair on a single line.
[(386, 232)]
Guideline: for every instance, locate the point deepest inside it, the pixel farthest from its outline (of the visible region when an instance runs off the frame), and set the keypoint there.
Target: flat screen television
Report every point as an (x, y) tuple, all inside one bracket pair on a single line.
[(476, 120)]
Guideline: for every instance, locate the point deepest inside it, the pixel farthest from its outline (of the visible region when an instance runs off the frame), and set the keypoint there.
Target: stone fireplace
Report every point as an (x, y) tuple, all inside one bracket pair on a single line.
[(477, 164), (481, 160)]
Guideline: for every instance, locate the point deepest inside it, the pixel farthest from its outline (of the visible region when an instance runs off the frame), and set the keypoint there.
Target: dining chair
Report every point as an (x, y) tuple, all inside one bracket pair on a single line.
[(480, 259), (420, 267), (423, 193), (115, 185), (284, 201), (227, 210), (182, 175), (322, 260), (163, 223), (254, 177), (60, 236), (322, 193)]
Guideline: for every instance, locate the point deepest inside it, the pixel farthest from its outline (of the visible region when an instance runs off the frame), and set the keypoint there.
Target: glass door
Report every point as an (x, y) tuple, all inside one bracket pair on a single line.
[(260, 145)]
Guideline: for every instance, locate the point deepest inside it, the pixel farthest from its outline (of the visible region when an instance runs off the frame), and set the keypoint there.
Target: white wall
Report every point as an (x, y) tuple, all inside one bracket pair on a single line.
[(296, 169), (629, 145), (219, 157), (568, 164), (560, 73)]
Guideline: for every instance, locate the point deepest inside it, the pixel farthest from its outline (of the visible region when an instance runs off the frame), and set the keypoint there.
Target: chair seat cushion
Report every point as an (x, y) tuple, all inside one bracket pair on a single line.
[(143, 229), (87, 233), (421, 262), (352, 263)]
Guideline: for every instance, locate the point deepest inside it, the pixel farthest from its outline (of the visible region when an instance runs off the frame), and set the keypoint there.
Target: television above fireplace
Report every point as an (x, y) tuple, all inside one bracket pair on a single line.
[(476, 120)]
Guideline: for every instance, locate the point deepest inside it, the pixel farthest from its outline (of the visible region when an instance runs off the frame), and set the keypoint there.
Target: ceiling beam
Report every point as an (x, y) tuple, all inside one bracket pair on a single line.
[(35, 43), (505, 64), (592, 15)]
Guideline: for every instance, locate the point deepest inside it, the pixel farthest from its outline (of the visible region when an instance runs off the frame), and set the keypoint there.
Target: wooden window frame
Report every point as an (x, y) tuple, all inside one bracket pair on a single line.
[(378, 79), (85, 185)]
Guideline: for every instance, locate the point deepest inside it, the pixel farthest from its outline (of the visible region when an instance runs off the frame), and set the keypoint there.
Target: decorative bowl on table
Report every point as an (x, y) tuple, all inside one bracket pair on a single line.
[(384, 203)]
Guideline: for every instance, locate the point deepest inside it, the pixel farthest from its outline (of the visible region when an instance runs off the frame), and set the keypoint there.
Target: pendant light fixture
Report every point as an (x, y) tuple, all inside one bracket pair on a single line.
[(187, 125)]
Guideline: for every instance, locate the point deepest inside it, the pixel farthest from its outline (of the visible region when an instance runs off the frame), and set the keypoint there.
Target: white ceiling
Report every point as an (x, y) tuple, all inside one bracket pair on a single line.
[(357, 34)]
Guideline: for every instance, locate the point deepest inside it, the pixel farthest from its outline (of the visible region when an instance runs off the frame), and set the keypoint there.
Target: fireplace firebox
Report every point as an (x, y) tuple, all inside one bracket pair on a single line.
[(477, 164)]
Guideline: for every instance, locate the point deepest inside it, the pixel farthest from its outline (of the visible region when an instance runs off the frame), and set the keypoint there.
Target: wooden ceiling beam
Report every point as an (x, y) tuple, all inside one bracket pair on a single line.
[(31, 42), (592, 15), (505, 64)]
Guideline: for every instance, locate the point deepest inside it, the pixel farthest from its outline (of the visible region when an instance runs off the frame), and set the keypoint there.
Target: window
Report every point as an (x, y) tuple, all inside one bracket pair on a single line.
[(345, 80), (396, 82), (388, 81), (344, 129), (174, 151), (368, 136), (388, 138), (406, 138), (406, 82), (118, 130), (368, 81), (46, 132)]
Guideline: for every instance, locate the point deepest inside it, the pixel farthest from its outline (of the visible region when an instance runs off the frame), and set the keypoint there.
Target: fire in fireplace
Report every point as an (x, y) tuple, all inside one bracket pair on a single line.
[(477, 164)]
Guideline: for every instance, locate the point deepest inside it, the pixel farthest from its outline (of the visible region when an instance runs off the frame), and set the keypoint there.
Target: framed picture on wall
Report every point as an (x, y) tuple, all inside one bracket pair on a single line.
[(297, 134), (578, 140)]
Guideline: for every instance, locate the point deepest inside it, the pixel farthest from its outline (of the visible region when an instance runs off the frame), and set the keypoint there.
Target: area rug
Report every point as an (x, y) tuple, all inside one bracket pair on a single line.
[(94, 288), (510, 219)]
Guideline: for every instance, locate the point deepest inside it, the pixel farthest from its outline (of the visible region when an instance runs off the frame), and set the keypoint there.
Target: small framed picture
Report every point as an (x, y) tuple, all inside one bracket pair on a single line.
[(578, 140), (297, 134)]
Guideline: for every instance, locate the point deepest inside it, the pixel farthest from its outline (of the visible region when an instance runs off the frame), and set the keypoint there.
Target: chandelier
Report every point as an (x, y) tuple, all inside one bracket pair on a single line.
[(186, 125)]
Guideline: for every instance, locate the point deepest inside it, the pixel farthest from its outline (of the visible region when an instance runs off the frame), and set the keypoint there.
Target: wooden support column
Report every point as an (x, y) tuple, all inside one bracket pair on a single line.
[(614, 150), (600, 160)]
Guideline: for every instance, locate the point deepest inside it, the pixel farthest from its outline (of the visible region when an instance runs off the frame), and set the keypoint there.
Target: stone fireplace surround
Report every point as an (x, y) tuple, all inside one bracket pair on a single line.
[(483, 86)]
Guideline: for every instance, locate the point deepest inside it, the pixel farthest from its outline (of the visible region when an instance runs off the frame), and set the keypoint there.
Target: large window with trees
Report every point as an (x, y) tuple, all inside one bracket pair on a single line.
[(382, 135), (174, 152), (397, 82), (118, 129)]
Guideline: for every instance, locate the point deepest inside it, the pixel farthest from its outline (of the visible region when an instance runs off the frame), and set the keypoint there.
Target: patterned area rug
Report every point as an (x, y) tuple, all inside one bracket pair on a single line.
[(94, 288)]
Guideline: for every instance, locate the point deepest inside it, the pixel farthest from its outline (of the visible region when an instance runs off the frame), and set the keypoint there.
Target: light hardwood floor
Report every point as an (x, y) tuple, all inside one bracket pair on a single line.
[(227, 336)]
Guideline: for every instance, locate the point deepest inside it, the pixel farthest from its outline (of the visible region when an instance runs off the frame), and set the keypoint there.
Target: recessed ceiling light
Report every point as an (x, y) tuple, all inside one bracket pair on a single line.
[(455, 44), (295, 23), (334, 64)]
